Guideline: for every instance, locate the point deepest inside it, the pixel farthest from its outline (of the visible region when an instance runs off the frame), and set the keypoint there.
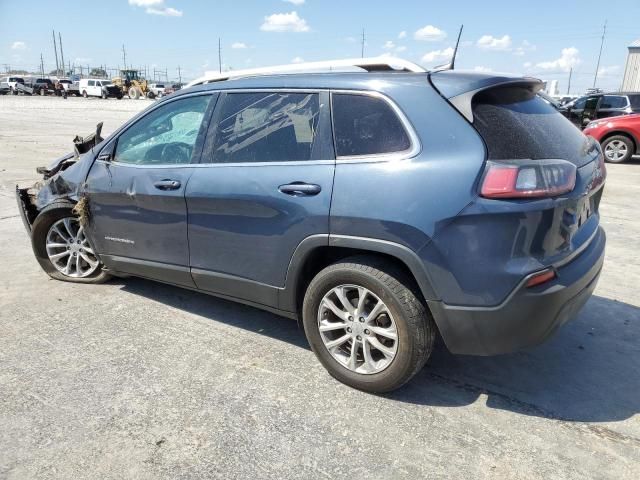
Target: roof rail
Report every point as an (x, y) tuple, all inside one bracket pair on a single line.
[(373, 64)]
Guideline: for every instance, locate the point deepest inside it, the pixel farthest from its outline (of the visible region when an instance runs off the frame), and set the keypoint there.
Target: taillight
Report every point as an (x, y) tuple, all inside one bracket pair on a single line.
[(527, 178)]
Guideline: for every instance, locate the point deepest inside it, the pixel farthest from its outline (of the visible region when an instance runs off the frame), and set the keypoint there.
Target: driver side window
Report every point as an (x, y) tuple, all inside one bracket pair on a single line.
[(165, 136)]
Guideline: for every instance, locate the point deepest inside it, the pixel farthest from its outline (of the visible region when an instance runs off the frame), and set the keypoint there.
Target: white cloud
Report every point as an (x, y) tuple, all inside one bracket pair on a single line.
[(401, 48), (528, 65), (297, 60), (145, 3), (239, 45), (156, 7), (489, 42), (389, 45), (482, 69), (18, 45), (402, 34), (430, 33), (295, 2), (569, 58), (437, 55), (613, 69), (524, 48), (284, 22), (351, 39), (164, 11)]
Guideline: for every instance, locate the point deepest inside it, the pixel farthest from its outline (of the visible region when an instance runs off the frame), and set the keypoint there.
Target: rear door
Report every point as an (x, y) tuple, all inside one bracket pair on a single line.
[(589, 112), (264, 185)]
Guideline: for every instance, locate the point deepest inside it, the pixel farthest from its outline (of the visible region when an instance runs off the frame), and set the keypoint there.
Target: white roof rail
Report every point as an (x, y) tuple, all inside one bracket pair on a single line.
[(383, 63)]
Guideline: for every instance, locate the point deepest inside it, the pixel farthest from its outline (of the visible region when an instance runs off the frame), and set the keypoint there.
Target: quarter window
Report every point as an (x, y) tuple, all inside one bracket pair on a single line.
[(266, 127), (167, 135), (366, 125)]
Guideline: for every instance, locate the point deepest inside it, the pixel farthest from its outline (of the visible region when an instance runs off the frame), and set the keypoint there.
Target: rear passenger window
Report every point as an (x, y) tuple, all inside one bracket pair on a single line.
[(366, 125), (635, 101), (613, 101), (266, 127)]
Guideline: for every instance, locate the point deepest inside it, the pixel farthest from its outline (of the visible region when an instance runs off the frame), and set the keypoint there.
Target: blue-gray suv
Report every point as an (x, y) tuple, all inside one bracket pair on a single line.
[(380, 208)]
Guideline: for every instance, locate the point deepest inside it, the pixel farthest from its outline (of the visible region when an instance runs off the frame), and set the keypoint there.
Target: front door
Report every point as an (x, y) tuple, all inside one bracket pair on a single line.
[(136, 193), (264, 185)]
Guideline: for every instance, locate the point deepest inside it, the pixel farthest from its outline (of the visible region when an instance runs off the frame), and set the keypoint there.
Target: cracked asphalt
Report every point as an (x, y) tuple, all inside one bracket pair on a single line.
[(135, 379)]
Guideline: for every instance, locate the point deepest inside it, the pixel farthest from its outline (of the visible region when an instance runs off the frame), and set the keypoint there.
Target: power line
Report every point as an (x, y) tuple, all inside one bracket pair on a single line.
[(569, 84), (55, 52), (61, 54), (604, 32), (124, 57)]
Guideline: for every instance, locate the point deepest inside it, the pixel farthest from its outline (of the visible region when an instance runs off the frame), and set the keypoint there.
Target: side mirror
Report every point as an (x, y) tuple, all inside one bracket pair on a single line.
[(106, 154)]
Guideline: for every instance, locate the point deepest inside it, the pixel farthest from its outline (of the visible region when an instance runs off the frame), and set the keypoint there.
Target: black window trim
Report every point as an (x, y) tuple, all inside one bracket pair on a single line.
[(211, 135), (414, 141)]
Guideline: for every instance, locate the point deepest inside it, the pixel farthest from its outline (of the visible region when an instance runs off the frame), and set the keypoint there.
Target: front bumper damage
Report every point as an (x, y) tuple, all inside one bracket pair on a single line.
[(63, 179)]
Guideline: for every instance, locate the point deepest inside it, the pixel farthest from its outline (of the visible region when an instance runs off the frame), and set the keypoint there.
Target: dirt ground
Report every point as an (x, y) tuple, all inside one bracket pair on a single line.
[(134, 379)]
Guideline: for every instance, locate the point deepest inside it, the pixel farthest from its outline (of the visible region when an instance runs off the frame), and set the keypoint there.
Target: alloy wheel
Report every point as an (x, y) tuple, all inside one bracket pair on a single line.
[(615, 150), (69, 250), (357, 329)]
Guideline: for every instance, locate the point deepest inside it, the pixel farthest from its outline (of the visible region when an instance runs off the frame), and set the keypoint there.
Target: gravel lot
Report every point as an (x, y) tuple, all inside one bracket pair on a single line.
[(135, 379)]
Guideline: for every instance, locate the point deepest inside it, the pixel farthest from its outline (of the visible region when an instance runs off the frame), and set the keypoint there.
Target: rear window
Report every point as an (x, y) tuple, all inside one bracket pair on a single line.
[(366, 125), (516, 124)]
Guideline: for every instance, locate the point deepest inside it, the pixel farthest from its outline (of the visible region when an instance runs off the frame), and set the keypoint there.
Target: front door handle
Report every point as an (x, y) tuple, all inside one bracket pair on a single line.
[(299, 189), (167, 184)]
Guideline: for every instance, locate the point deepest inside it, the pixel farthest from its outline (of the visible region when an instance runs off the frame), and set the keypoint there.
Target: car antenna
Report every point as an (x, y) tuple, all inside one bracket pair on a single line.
[(451, 64)]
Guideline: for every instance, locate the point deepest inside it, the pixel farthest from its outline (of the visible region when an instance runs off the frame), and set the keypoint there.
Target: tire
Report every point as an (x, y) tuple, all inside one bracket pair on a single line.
[(134, 93), (151, 95), (414, 326), (39, 232), (618, 149), (160, 95), (104, 95), (84, 94)]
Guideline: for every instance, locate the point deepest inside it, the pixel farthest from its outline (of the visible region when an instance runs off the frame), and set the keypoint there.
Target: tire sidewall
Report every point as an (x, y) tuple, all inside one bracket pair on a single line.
[(626, 141), (399, 368), (39, 232)]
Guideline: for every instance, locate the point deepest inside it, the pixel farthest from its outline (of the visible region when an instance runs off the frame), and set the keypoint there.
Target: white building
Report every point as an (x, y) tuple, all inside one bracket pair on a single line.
[(631, 81)]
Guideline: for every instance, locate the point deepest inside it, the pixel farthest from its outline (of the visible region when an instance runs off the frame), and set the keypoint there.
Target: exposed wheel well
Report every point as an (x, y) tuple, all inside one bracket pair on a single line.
[(621, 134), (322, 257)]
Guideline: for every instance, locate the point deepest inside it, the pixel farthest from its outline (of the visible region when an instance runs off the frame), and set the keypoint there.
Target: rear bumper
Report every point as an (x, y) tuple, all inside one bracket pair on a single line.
[(529, 315)]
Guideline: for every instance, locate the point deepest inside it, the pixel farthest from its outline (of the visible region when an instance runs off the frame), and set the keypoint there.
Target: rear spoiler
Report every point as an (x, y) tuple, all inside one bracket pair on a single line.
[(459, 88)]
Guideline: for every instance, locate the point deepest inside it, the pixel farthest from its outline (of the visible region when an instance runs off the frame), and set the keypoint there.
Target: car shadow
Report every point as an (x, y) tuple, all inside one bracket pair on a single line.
[(588, 372)]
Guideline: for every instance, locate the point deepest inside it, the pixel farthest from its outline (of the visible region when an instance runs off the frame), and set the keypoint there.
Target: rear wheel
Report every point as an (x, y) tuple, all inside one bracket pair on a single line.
[(62, 248), (84, 94), (366, 325), (618, 149), (134, 93)]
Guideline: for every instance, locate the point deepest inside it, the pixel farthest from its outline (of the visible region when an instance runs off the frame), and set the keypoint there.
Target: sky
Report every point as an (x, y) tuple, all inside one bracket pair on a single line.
[(544, 40)]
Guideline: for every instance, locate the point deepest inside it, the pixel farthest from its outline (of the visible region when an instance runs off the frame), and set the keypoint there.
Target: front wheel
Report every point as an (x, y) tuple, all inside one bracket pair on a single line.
[(617, 149), (366, 324), (62, 248)]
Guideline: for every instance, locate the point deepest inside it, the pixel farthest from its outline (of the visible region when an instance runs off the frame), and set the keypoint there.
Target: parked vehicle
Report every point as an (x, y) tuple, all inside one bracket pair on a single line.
[(593, 107), (11, 82), (619, 137), (379, 207), (38, 86), (132, 84), (4, 86), (157, 90), (95, 87)]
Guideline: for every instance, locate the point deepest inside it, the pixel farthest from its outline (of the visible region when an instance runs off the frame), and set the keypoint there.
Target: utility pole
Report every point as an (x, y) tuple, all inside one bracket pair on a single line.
[(362, 46), (179, 76), (569, 84), (604, 32), (61, 54), (219, 56), (55, 52), (124, 57), (41, 65)]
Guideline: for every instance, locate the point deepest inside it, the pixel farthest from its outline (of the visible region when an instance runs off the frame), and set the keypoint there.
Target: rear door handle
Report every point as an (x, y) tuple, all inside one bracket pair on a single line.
[(298, 189), (167, 184)]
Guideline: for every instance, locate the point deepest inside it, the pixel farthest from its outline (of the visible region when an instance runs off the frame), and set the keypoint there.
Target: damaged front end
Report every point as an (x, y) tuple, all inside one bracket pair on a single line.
[(63, 179)]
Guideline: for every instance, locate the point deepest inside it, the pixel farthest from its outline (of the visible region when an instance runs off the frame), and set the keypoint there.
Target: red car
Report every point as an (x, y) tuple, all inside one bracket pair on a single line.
[(619, 136)]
